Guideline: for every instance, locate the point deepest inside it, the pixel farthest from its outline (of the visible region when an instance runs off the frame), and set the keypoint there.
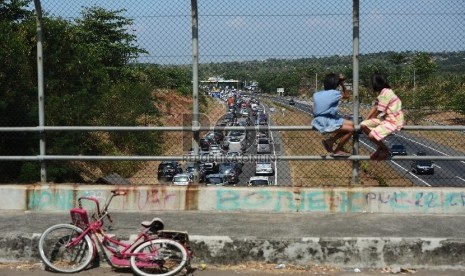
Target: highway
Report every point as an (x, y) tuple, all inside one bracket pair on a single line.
[(281, 174)]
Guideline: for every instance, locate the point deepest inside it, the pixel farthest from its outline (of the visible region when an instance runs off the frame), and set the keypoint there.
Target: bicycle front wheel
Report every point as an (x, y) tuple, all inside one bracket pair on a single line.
[(56, 252), (162, 257)]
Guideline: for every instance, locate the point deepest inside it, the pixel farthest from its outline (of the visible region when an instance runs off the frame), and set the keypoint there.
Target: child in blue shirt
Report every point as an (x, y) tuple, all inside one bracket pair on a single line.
[(326, 117)]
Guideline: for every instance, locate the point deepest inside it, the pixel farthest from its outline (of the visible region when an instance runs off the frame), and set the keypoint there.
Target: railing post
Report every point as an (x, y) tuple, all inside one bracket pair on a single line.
[(40, 88), (195, 86), (355, 80)]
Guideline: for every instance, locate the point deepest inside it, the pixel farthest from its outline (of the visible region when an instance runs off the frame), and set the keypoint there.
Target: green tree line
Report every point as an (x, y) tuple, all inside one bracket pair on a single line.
[(90, 80), (425, 81)]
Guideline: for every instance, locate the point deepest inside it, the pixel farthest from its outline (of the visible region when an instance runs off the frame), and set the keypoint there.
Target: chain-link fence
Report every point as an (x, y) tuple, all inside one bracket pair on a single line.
[(129, 64)]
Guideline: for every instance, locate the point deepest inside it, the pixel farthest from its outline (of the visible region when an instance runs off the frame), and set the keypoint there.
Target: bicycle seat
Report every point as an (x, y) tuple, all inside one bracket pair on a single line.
[(155, 224)]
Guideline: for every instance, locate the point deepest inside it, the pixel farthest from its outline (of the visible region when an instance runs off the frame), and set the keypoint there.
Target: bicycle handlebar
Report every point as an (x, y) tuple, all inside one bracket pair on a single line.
[(103, 212), (118, 192)]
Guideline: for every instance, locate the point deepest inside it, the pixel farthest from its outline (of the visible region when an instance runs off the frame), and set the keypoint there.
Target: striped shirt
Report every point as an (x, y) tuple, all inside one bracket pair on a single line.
[(391, 107)]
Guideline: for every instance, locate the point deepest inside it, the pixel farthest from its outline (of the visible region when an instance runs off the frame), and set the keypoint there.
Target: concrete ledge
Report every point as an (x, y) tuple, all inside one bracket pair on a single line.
[(62, 197), (343, 252)]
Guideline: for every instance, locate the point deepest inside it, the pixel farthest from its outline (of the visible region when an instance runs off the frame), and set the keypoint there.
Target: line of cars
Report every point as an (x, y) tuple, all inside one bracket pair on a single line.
[(242, 111)]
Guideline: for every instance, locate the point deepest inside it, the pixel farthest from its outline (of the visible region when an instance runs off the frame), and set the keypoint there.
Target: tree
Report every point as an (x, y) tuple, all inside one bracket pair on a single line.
[(14, 11), (423, 65), (105, 34), (87, 77), (398, 60), (18, 93)]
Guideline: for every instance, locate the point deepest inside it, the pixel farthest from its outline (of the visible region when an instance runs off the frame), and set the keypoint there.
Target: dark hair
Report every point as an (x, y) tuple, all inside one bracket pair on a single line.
[(331, 81), (379, 82)]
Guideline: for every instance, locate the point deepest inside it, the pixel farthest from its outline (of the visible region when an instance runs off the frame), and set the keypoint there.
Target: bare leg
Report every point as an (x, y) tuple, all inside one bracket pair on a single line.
[(344, 134), (343, 141), (382, 150)]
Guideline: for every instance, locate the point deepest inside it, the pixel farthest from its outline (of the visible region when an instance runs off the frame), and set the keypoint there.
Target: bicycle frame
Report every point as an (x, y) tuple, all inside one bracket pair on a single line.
[(119, 258)]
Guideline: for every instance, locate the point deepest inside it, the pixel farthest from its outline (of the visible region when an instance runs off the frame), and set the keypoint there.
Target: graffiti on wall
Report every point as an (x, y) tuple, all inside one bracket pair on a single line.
[(65, 199), (340, 201), (271, 200)]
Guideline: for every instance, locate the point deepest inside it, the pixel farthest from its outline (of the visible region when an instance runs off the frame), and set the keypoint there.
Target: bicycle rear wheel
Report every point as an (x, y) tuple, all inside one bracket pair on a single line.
[(162, 257), (58, 256)]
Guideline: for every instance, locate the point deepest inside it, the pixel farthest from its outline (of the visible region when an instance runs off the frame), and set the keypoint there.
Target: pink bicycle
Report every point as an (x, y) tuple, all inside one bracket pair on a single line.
[(69, 248)]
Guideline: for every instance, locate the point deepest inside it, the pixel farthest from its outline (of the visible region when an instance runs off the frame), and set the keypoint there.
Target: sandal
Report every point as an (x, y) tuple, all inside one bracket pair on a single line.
[(382, 155), (374, 155), (379, 155), (327, 146)]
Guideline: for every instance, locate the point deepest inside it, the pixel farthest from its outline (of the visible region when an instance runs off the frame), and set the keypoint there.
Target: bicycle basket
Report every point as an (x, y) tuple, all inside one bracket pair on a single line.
[(79, 217)]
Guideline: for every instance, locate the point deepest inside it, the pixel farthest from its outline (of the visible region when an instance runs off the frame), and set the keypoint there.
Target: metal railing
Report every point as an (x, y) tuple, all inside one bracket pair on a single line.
[(356, 27)]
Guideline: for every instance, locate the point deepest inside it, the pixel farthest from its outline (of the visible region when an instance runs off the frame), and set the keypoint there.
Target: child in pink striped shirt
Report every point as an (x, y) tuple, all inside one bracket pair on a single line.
[(385, 117)]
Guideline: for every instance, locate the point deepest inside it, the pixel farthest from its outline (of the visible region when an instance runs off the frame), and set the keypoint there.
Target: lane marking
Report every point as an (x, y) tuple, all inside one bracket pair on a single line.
[(426, 146), (397, 164), (416, 176)]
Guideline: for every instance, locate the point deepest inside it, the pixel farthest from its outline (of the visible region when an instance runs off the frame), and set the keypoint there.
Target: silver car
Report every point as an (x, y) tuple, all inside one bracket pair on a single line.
[(259, 181), (183, 179), (264, 168), (263, 145)]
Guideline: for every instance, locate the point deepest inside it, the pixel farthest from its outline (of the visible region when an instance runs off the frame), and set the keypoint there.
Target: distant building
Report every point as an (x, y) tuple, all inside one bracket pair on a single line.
[(221, 83)]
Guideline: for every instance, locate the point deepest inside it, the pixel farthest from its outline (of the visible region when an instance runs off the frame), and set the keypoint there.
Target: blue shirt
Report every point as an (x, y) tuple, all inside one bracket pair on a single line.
[(326, 102), (326, 118)]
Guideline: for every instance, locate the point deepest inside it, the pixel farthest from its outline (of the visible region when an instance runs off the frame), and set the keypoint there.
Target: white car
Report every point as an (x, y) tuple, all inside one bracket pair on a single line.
[(236, 145), (263, 145), (259, 181), (264, 168), (183, 179)]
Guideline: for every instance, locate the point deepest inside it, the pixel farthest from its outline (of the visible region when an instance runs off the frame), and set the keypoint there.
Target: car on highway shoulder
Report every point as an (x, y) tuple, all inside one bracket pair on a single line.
[(264, 168), (259, 181), (263, 145)]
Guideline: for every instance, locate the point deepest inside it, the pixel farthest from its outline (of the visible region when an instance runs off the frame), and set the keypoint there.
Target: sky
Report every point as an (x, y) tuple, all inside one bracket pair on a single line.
[(240, 30)]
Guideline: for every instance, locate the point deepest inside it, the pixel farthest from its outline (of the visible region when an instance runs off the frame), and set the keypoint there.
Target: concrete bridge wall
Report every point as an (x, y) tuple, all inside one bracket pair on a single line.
[(62, 197)]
